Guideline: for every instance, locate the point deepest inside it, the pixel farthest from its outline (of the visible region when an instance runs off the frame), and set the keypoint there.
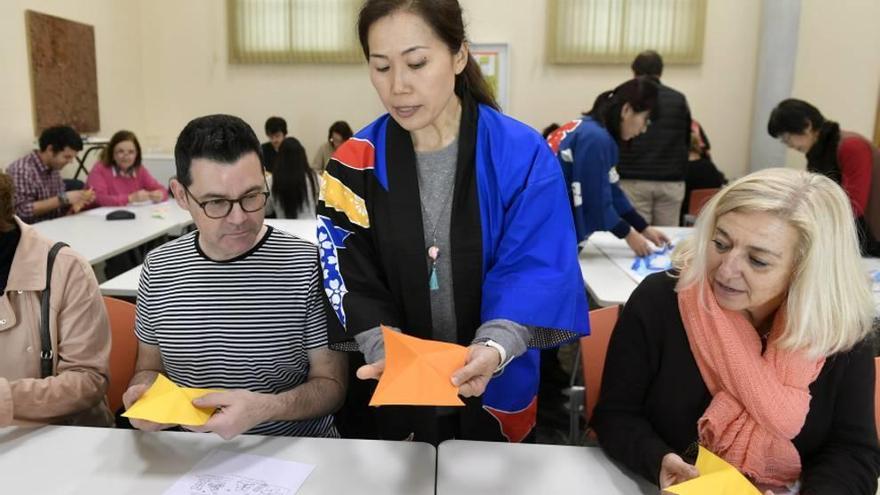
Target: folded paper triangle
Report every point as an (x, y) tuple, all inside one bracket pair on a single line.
[(716, 477), (164, 402), (418, 372)]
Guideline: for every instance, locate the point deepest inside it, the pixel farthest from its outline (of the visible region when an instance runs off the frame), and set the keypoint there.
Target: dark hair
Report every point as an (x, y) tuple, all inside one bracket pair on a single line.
[(7, 203), (60, 137), (639, 92), (292, 179), (444, 17), (276, 124), (549, 130), (791, 117), (340, 127), (648, 63), (221, 138), (120, 136)]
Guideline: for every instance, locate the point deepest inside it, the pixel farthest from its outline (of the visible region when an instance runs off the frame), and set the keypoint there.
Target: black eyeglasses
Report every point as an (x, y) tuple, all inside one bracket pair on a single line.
[(221, 207)]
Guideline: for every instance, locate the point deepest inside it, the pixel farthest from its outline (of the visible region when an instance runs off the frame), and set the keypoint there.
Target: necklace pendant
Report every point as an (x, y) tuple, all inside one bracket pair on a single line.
[(433, 283), (433, 254)]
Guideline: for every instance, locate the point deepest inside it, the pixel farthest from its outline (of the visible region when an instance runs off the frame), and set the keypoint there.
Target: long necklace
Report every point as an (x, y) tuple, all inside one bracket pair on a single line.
[(433, 250)]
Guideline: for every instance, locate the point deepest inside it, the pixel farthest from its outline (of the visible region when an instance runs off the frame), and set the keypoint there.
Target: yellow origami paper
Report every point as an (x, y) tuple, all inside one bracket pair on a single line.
[(716, 477), (164, 402)]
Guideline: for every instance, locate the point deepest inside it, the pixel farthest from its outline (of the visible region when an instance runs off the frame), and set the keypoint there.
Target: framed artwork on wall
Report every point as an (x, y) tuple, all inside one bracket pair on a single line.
[(64, 76), (494, 61)]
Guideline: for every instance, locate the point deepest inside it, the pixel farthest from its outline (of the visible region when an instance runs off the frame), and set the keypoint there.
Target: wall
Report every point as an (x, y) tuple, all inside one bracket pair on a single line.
[(118, 51), (186, 74), (720, 90), (163, 62), (838, 63)]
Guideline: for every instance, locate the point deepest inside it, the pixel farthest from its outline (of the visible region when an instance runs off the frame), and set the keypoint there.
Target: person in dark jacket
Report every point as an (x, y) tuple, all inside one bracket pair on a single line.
[(652, 168), (845, 157), (701, 171), (276, 131), (746, 350)]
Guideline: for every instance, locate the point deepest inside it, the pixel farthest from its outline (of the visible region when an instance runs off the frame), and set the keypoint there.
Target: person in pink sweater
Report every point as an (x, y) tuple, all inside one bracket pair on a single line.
[(119, 178)]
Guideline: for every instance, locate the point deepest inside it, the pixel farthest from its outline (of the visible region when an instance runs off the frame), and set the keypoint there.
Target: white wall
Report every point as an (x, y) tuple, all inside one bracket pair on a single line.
[(163, 62), (838, 64), (719, 91), (118, 51), (186, 75)]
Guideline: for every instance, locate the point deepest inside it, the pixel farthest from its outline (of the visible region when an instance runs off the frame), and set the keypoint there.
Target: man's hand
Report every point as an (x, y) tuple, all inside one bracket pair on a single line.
[(481, 363), (80, 199), (131, 396), (237, 411)]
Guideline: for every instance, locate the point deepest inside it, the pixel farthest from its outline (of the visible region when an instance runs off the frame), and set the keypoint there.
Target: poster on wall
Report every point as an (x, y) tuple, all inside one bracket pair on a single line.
[(64, 76), (493, 59)]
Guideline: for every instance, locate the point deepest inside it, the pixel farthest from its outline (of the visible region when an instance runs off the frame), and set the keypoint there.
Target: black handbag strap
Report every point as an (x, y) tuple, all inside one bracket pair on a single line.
[(46, 353)]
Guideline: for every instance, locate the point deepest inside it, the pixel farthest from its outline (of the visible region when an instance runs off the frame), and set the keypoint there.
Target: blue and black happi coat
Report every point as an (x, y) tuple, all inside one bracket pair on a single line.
[(513, 249)]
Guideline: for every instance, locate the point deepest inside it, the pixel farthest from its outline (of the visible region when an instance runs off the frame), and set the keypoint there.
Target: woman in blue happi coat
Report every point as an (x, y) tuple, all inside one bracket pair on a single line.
[(446, 220), (588, 150)]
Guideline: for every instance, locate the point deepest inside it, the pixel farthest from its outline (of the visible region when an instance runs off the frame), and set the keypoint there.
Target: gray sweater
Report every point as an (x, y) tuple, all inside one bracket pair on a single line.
[(436, 170)]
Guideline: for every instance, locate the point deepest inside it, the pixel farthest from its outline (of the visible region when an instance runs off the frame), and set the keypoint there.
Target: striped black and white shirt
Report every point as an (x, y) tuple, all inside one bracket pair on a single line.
[(244, 323)]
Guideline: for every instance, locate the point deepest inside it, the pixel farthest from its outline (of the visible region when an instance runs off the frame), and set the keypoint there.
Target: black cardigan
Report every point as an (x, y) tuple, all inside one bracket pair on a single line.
[(653, 394), (661, 153)]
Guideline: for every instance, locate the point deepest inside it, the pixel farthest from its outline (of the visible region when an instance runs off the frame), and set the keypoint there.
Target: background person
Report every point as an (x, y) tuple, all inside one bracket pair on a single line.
[(120, 178), (652, 166), (843, 156), (587, 150), (339, 133), (39, 188), (294, 184), (74, 392)]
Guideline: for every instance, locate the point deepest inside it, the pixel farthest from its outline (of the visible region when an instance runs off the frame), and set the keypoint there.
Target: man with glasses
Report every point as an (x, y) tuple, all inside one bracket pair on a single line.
[(236, 305)]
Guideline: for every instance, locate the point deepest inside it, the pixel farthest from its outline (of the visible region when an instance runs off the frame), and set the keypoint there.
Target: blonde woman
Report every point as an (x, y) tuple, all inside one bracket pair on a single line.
[(756, 346)]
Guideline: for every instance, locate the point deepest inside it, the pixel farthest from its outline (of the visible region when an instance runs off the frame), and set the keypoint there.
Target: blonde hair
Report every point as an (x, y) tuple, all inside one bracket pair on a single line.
[(829, 306)]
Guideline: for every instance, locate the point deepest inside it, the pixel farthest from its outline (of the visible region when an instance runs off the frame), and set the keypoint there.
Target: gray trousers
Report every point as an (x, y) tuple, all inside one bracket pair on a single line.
[(659, 202)]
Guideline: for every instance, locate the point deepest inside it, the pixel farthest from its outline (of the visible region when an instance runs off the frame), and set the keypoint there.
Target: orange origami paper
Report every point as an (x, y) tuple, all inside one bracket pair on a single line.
[(418, 372), (165, 402), (716, 477)]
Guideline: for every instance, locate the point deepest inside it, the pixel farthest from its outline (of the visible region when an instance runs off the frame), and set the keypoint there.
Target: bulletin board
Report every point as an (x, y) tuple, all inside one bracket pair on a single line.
[(493, 59), (64, 77)]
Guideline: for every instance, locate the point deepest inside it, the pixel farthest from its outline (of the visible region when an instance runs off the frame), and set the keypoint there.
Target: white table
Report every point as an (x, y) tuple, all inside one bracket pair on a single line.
[(75, 460), (483, 468), (872, 265), (125, 285), (90, 234), (604, 280), (605, 260), (306, 229)]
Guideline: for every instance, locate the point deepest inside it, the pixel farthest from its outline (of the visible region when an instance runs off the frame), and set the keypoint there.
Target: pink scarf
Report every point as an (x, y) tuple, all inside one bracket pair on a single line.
[(759, 402)]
